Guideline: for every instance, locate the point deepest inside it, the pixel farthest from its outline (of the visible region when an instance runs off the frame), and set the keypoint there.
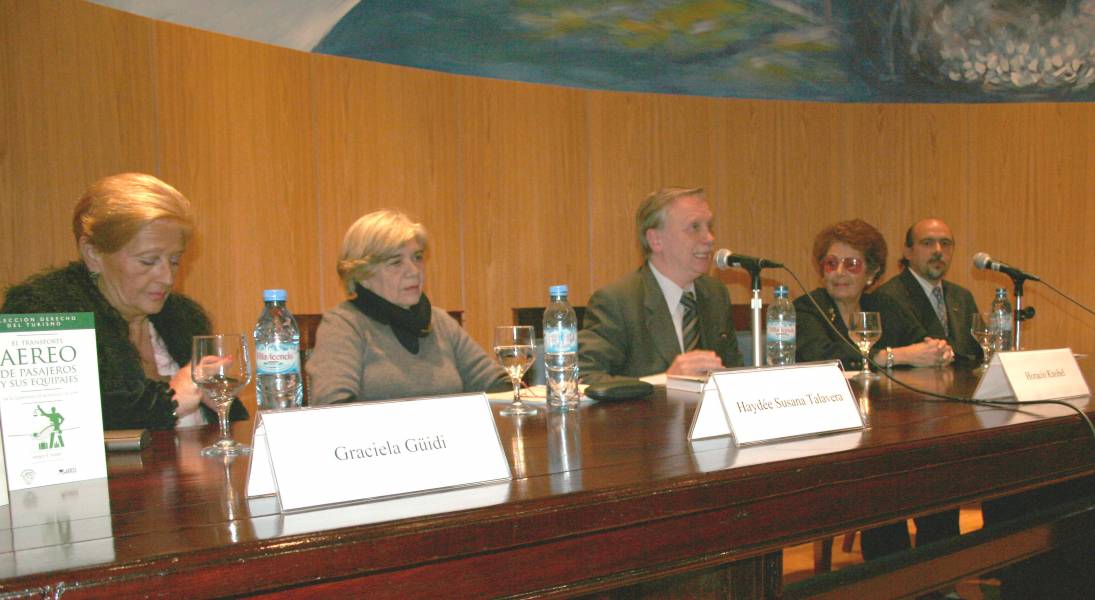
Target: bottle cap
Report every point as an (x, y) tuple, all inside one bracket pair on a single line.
[(558, 290), (274, 296), (782, 291), (1001, 291)]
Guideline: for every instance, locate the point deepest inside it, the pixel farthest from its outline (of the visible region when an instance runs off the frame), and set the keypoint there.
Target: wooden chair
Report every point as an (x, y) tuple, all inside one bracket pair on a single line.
[(309, 323)]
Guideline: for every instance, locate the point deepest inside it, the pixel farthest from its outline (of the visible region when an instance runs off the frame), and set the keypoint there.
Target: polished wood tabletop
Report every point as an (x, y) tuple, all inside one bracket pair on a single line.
[(610, 495)]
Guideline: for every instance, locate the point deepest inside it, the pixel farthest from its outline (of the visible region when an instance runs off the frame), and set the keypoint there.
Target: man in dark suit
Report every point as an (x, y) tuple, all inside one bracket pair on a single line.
[(944, 309), (669, 315)]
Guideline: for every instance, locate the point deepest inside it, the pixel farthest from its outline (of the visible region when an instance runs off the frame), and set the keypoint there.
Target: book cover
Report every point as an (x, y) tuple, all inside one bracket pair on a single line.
[(50, 415)]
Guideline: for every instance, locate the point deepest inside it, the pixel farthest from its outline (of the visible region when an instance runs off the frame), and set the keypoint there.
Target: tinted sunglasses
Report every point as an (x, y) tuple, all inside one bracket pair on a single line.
[(851, 264)]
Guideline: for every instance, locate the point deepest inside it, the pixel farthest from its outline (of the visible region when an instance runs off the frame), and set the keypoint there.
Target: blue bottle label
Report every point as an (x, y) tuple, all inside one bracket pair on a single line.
[(558, 340), (782, 331), (277, 358)]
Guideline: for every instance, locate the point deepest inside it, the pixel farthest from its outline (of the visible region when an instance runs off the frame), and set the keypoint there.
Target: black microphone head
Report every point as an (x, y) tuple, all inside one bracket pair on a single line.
[(982, 260), (722, 259)]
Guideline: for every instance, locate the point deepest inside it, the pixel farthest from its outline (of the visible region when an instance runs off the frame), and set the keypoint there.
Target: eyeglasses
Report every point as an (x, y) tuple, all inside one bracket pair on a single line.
[(851, 264)]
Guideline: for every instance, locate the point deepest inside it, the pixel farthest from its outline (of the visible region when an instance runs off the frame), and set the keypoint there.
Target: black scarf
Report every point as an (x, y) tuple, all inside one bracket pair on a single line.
[(408, 324)]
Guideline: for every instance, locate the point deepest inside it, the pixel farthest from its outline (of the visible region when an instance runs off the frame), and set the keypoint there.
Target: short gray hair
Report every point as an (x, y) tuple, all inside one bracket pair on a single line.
[(651, 213), (373, 239)]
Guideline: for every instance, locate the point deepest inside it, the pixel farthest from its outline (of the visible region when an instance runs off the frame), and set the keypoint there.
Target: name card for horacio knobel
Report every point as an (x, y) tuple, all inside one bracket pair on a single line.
[(344, 453), (771, 403), (1032, 375), (49, 399)]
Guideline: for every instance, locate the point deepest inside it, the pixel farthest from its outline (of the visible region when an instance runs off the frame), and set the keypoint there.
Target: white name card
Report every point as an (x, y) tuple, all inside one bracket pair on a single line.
[(1032, 375), (770, 403), (351, 452)]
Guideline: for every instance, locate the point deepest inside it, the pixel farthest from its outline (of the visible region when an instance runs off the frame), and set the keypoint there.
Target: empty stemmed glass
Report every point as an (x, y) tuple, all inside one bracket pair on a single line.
[(221, 367), (516, 350), (986, 336), (865, 331)]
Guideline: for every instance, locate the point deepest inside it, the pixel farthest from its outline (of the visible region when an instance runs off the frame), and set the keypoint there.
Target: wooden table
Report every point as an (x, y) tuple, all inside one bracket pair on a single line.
[(610, 497)]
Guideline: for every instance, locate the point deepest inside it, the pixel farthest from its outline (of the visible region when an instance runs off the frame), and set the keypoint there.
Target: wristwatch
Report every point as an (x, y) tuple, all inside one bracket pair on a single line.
[(889, 357)]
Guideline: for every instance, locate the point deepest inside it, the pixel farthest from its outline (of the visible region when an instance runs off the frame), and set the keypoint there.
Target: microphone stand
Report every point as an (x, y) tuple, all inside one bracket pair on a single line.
[(1021, 314), (755, 304)]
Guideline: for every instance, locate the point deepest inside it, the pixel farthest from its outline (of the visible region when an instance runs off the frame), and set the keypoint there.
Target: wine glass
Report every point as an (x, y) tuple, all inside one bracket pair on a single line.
[(516, 350), (986, 335), (866, 329), (221, 367)]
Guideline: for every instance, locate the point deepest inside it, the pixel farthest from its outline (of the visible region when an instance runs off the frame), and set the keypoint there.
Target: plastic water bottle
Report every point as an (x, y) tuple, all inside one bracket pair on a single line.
[(1002, 319), (780, 330), (277, 355), (561, 350)]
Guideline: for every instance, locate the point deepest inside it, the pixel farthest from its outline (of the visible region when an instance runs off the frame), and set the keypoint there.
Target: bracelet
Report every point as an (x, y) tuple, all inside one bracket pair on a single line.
[(889, 357)]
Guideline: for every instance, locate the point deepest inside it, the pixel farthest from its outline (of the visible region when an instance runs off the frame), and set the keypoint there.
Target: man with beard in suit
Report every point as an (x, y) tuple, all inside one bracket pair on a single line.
[(944, 309)]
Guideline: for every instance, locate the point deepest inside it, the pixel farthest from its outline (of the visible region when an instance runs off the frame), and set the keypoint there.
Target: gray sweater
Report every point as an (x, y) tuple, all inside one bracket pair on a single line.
[(360, 358)]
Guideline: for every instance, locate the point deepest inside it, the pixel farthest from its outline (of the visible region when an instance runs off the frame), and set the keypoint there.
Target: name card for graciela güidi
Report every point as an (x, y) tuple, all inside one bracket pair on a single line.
[(346, 453), (50, 413), (771, 403), (1032, 375)]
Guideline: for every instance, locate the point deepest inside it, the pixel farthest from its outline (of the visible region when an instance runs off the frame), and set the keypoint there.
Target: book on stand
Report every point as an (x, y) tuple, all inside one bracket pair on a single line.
[(50, 414)]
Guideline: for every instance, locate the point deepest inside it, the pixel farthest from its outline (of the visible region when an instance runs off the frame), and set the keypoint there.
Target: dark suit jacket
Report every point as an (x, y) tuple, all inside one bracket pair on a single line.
[(628, 330), (817, 341), (961, 306)]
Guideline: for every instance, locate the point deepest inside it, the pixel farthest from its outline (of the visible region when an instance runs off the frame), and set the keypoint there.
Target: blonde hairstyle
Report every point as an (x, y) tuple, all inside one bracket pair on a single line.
[(373, 239), (116, 207), (651, 213)]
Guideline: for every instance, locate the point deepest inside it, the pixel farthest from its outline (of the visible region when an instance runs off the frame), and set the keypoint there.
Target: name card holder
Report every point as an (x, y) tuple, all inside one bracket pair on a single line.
[(1032, 375), (345, 453), (772, 403)]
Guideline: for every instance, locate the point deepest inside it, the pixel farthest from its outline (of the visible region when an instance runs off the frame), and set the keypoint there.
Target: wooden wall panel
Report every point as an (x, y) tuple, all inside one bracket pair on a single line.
[(902, 163), (778, 170), (1032, 186), (235, 136), (75, 106), (520, 185), (525, 197), (640, 143), (386, 138)]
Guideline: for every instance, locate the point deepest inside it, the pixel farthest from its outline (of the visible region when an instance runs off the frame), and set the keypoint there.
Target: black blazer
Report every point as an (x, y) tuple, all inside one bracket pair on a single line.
[(905, 289), (817, 341)]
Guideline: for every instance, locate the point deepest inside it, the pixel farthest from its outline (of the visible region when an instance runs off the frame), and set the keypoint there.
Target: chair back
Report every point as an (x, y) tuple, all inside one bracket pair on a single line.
[(534, 315)]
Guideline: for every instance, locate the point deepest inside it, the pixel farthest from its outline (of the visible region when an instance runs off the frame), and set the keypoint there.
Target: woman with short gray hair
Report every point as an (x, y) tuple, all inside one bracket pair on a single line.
[(387, 341)]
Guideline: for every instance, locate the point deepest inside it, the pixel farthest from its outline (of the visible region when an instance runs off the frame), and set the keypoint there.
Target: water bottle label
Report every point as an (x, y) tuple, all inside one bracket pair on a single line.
[(277, 358), (558, 340), (783, 331)]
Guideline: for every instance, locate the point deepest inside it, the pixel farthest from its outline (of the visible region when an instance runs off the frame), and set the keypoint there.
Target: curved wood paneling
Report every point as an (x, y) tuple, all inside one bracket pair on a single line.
[(77, 102), (519, 185), (387, 138), (235, 135)]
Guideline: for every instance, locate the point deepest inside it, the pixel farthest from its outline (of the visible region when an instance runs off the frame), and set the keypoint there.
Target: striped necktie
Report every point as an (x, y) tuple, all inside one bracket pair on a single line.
[(690, 330), (940, 307)]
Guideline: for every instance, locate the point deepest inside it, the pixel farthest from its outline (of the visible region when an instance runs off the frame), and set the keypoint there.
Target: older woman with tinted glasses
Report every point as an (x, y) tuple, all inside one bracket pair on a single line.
[(851, 257)]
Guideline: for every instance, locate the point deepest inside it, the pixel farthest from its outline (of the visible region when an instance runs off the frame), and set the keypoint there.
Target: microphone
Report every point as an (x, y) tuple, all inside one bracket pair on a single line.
[(725, 259), (982, 260)]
